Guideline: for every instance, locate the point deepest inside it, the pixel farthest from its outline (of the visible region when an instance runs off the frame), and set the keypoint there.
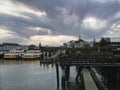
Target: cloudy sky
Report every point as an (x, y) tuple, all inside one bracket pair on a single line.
[(53, 22)]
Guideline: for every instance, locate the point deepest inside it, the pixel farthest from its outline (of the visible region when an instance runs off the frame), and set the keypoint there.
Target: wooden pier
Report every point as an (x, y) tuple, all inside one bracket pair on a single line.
[(81, 60), (88, 80), (90, 59)]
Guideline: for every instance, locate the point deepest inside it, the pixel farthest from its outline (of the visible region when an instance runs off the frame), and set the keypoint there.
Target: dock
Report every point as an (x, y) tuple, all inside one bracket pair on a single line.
[(88, 80)]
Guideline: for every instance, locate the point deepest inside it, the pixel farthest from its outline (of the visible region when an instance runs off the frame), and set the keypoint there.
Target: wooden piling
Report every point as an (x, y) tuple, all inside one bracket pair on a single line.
[(67, 72), (57, 75), (63, 78)]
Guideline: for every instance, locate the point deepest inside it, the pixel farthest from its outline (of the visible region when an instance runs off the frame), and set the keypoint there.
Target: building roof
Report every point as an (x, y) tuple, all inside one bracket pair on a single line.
[(32, 45), (12, 44), (80, 40), (1, 45)]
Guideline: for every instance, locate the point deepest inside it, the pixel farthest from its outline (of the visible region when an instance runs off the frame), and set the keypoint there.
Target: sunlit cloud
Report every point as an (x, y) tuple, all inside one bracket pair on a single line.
[(93, 23), (5, 33), (18, 9), (114, 31), (55, 40), (9, 8), (40, 29), (27, 9), (105, 1)]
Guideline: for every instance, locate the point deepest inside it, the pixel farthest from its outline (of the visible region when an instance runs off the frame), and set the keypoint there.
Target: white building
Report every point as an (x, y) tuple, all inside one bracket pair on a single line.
[(10, 46), (70, 44), (1, 47), (80, 43), (76, 44), (24, 47)]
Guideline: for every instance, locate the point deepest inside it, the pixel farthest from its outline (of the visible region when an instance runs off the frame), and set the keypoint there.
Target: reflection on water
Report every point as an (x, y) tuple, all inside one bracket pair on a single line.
[(27, 76), (31, 75)]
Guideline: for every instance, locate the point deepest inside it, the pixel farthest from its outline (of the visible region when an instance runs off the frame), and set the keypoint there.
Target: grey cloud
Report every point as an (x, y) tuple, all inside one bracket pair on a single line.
[(19, 25), (44, 5), (67, 23)]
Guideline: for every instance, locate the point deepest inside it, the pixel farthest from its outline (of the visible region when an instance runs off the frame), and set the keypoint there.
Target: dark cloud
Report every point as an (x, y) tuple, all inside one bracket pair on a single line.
[(44, 5), (63, 17)]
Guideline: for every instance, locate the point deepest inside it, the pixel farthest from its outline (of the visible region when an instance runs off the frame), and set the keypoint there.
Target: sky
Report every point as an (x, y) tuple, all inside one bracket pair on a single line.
[(54, 22)]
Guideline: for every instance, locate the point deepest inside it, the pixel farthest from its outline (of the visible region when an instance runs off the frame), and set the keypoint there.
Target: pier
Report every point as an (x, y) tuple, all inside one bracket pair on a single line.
[(88, 80), (90, 59), (83, 60)]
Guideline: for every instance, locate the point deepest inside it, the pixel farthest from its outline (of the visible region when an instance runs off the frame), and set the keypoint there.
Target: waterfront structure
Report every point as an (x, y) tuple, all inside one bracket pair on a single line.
[(40, 46), (110, 42), (69, 44), (1, 47), (9, 46), (80, 43), (107, 39), (24, 47), (76, 44), (32, 47)]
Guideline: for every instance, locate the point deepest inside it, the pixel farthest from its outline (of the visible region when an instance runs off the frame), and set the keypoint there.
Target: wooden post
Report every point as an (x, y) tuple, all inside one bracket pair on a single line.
[(57, 74), (45, 55), (63, 78), (21, 59), (67, 72)]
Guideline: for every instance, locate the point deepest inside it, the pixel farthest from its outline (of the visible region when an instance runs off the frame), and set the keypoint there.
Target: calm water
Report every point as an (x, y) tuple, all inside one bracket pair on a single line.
[(31, 75)]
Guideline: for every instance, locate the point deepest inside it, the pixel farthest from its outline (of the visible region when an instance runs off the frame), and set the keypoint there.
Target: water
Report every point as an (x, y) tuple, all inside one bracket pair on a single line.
[(31, 75)]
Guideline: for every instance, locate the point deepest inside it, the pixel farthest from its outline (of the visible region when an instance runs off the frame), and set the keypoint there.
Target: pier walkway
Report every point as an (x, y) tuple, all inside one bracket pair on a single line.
[(88, 80)]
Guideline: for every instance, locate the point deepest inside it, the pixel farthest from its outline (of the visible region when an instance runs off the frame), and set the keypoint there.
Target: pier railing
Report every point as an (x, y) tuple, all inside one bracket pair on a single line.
[(88, 59)]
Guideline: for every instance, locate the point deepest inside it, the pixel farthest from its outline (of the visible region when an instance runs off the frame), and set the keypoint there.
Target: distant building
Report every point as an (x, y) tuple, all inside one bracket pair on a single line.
[(40, 46), (92, 43), (9, 46), (105, 40), (64, 44), (70, 44), (76, 44), (109, 42), (32, 47), (1, 47), (24, 47), (80, 43)]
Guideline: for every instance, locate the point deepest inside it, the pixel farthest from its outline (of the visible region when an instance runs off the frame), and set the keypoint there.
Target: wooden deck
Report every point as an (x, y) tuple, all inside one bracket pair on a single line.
[(88, 80)]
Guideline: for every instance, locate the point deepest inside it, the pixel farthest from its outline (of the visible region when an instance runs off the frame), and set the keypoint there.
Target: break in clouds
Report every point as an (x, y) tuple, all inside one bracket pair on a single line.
[(53, 22)]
